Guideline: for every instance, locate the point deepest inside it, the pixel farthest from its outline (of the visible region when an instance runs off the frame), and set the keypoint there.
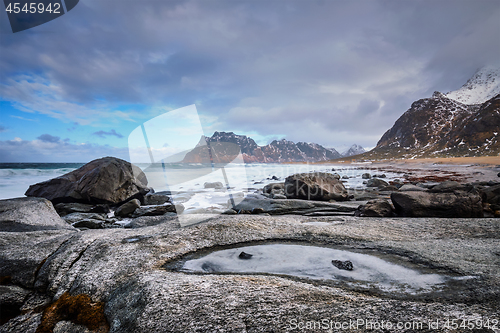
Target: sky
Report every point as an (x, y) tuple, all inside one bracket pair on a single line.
[(325, 71)]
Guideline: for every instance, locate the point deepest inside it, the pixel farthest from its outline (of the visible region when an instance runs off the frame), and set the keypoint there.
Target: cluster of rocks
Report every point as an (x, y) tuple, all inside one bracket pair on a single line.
[(384, 199), (102, 193), (106, 193)]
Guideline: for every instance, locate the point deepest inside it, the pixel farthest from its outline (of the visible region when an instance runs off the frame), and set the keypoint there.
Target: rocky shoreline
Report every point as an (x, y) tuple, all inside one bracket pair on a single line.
[(75, 268)]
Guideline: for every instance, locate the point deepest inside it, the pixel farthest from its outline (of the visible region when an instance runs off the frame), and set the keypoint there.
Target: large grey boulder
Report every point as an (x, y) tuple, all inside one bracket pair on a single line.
[(441, 204), (319, 186), (106, 180), (29, 214)]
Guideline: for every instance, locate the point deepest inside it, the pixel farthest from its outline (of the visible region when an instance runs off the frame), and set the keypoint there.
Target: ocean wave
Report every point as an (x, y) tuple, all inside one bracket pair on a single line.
[(34, 172)]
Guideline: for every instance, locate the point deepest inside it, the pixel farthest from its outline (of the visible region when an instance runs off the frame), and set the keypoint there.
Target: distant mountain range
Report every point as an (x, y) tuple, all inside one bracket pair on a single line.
[(465, 122), (281, 151)]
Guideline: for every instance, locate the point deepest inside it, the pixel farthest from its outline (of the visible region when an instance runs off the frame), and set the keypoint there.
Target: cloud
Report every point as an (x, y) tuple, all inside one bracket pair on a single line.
[(103, 134), (22, 118), (328, 71), (48, 138), (19, 150)]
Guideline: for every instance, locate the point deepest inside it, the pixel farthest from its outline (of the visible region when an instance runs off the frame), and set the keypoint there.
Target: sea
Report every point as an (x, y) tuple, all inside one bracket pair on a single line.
[(187, 183)]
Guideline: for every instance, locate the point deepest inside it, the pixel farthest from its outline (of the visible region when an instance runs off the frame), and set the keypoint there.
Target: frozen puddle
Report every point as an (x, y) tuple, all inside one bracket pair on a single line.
[(313, 262)]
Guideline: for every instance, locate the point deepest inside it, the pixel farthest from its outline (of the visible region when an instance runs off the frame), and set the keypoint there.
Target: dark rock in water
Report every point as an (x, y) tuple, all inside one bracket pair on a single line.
[(315, 186), (375, 208), (345, 265), (376, 182), (158, 210), (272, 187), (274, 178), (447, 204), (245, 256), (106, 180), (258, 210), (380, 176), (216, 185), (366, 176), (75, 207), (345, 177), (127, 208), (29, 214), (156, 199)]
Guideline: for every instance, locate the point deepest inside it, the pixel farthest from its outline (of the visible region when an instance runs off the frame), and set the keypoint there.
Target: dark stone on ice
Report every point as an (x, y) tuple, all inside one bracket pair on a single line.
[(345, 265), (366, 176), (245, 256)]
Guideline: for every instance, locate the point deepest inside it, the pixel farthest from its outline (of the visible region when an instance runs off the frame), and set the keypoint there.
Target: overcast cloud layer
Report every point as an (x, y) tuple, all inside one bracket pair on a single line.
[(330, 72)]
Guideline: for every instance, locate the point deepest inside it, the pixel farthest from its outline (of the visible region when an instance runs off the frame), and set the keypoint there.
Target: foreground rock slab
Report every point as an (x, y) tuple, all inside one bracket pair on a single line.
[(120, 275), (107, 180)]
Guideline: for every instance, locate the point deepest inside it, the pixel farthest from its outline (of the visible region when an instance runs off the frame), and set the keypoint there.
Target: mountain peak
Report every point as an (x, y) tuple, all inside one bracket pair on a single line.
[(482, 86), (354, 150)]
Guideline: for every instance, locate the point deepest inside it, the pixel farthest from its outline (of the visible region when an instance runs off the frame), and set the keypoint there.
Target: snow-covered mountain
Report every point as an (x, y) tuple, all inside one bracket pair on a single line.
[(442, 127), (482, 86), (353, 150), (278, 151)]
